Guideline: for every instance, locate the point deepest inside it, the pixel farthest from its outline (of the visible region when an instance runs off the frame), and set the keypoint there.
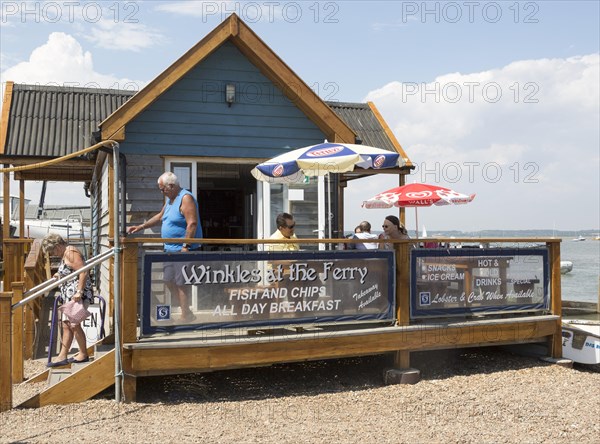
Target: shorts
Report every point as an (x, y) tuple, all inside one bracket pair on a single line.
[(172, 273)]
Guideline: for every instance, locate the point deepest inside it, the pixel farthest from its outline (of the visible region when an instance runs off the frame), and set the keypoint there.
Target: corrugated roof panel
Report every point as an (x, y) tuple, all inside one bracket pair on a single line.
[(52, 121), (363, 121)]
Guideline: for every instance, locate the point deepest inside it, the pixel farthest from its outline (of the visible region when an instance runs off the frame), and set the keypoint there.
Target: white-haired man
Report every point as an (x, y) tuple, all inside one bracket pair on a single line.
[(179, 218)]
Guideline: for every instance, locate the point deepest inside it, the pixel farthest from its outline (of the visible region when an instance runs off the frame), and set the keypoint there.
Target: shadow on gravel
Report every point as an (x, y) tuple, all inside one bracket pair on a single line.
[(444, 364), (318, 377)]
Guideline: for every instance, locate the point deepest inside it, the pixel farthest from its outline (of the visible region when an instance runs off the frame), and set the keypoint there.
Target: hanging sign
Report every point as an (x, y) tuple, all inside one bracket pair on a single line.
[(457, 282), (225, 289)]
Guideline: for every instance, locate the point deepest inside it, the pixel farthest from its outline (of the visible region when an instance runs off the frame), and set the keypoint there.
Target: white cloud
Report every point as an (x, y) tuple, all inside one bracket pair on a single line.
[(190, 8), (249, 12), (524, 137), (62, 61), (123, 36)]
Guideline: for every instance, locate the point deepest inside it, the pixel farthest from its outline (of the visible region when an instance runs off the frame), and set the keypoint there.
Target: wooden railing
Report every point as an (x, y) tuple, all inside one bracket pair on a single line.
[(14, 335), (11, 336), (14, 251), (131, 247), (36, 271)]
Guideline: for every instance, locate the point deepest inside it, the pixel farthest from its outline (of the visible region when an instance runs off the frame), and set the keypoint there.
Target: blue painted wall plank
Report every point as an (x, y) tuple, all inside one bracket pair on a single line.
[(192, 118), (198, 118)]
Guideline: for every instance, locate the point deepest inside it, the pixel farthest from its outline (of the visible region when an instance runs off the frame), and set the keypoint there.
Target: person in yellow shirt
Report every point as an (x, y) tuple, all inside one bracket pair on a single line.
[(285, 230)]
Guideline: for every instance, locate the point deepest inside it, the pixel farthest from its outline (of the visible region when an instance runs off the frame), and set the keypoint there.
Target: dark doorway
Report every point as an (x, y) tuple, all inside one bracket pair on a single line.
[(226, 197)]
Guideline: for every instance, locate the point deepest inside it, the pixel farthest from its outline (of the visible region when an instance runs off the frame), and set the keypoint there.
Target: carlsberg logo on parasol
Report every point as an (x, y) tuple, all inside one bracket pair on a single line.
[(325, 151), (379, 161)]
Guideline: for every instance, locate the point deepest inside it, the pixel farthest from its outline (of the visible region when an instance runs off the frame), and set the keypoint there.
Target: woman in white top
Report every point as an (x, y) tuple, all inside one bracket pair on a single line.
[(392, 229)]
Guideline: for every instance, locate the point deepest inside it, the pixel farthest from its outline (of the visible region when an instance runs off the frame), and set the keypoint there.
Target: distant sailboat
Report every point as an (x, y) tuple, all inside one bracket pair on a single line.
[(579, 239), (428, 244)]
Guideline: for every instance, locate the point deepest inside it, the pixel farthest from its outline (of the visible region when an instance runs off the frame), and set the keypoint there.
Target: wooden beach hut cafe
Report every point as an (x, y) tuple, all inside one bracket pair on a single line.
[(227, 104)]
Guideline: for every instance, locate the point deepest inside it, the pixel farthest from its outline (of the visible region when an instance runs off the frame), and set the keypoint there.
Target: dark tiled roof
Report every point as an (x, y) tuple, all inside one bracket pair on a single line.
[(52, 121), (363, 121)]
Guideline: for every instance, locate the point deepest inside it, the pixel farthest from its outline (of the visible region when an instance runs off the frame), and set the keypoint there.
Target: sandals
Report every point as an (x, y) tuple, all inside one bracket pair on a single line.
[(59, 363)]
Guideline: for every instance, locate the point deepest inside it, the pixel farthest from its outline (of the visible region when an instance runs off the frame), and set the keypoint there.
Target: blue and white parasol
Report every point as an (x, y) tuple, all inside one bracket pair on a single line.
[(322, 159)]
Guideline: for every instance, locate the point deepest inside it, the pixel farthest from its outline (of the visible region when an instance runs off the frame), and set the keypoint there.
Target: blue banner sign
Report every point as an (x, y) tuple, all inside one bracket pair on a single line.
[(251, 289), (458, 282)]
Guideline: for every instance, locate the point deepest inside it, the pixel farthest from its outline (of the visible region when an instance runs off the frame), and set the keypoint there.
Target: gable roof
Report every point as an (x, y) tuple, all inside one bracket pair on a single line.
[(52, 121), (233, 29)]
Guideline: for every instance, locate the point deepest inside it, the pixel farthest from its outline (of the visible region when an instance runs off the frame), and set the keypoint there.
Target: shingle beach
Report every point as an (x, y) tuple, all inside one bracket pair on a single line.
[(486, 395)]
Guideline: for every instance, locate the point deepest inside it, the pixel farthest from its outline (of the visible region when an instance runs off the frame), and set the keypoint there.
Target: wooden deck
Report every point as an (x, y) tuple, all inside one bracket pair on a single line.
[(203, 351), (195, 351)]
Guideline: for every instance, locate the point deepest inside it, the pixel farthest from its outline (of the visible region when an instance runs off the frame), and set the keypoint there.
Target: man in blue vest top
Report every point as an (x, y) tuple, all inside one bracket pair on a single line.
[(179, 218)]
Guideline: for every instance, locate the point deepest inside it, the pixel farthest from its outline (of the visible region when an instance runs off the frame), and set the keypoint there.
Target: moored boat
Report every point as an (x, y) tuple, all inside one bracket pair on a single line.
[(581, 342), (71, 222), (70, 228), (566, 267), (579, 239)]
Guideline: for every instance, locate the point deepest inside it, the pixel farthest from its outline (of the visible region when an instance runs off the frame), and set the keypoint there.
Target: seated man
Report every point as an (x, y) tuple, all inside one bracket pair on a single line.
[(285, 230), (365, 233)]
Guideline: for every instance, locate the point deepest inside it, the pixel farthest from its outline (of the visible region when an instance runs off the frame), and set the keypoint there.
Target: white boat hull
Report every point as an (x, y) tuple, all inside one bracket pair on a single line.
[(581, 341), (566, 267), (38, 228)]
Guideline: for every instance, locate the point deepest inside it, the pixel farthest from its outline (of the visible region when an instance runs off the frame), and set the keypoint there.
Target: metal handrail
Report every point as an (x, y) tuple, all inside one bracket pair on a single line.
[(52, 324), (52, 283)]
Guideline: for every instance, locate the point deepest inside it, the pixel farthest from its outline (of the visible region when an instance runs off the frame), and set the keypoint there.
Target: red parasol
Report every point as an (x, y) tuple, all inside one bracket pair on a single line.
[(417, 195)]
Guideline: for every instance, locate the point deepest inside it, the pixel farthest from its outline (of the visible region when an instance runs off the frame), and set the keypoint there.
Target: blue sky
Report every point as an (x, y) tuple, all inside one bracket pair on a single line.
[(500, 99)]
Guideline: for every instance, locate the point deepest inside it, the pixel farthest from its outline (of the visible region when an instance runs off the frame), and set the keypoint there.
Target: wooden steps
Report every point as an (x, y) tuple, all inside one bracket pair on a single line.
[(76, 382)]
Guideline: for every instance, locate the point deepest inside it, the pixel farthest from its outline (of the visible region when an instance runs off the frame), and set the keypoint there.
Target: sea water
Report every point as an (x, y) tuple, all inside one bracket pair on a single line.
[(581, 284)]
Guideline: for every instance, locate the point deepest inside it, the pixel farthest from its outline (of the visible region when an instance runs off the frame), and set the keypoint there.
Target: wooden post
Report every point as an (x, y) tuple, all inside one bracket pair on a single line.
[(555, 341), (129, 290), (8, 251), (29, 315), (129, 304), (21, 208), (6, 216), (14, 261), (402, 358), (401, 373), (5, 352), (17, 335)]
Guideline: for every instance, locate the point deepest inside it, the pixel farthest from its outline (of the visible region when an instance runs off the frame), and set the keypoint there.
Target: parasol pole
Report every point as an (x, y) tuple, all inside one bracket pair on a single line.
[(329, 204), (322, 209), (417, 222)]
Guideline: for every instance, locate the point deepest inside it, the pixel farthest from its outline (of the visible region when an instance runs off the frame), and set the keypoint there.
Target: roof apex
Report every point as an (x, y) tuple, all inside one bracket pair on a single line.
[(233, 29)]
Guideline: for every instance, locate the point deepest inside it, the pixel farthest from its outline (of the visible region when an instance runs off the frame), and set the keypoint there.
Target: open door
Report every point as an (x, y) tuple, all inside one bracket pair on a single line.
[(226, 195)]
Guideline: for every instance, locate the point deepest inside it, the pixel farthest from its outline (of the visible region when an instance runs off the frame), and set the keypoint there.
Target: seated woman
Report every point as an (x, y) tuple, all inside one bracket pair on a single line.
[(392, 229)]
